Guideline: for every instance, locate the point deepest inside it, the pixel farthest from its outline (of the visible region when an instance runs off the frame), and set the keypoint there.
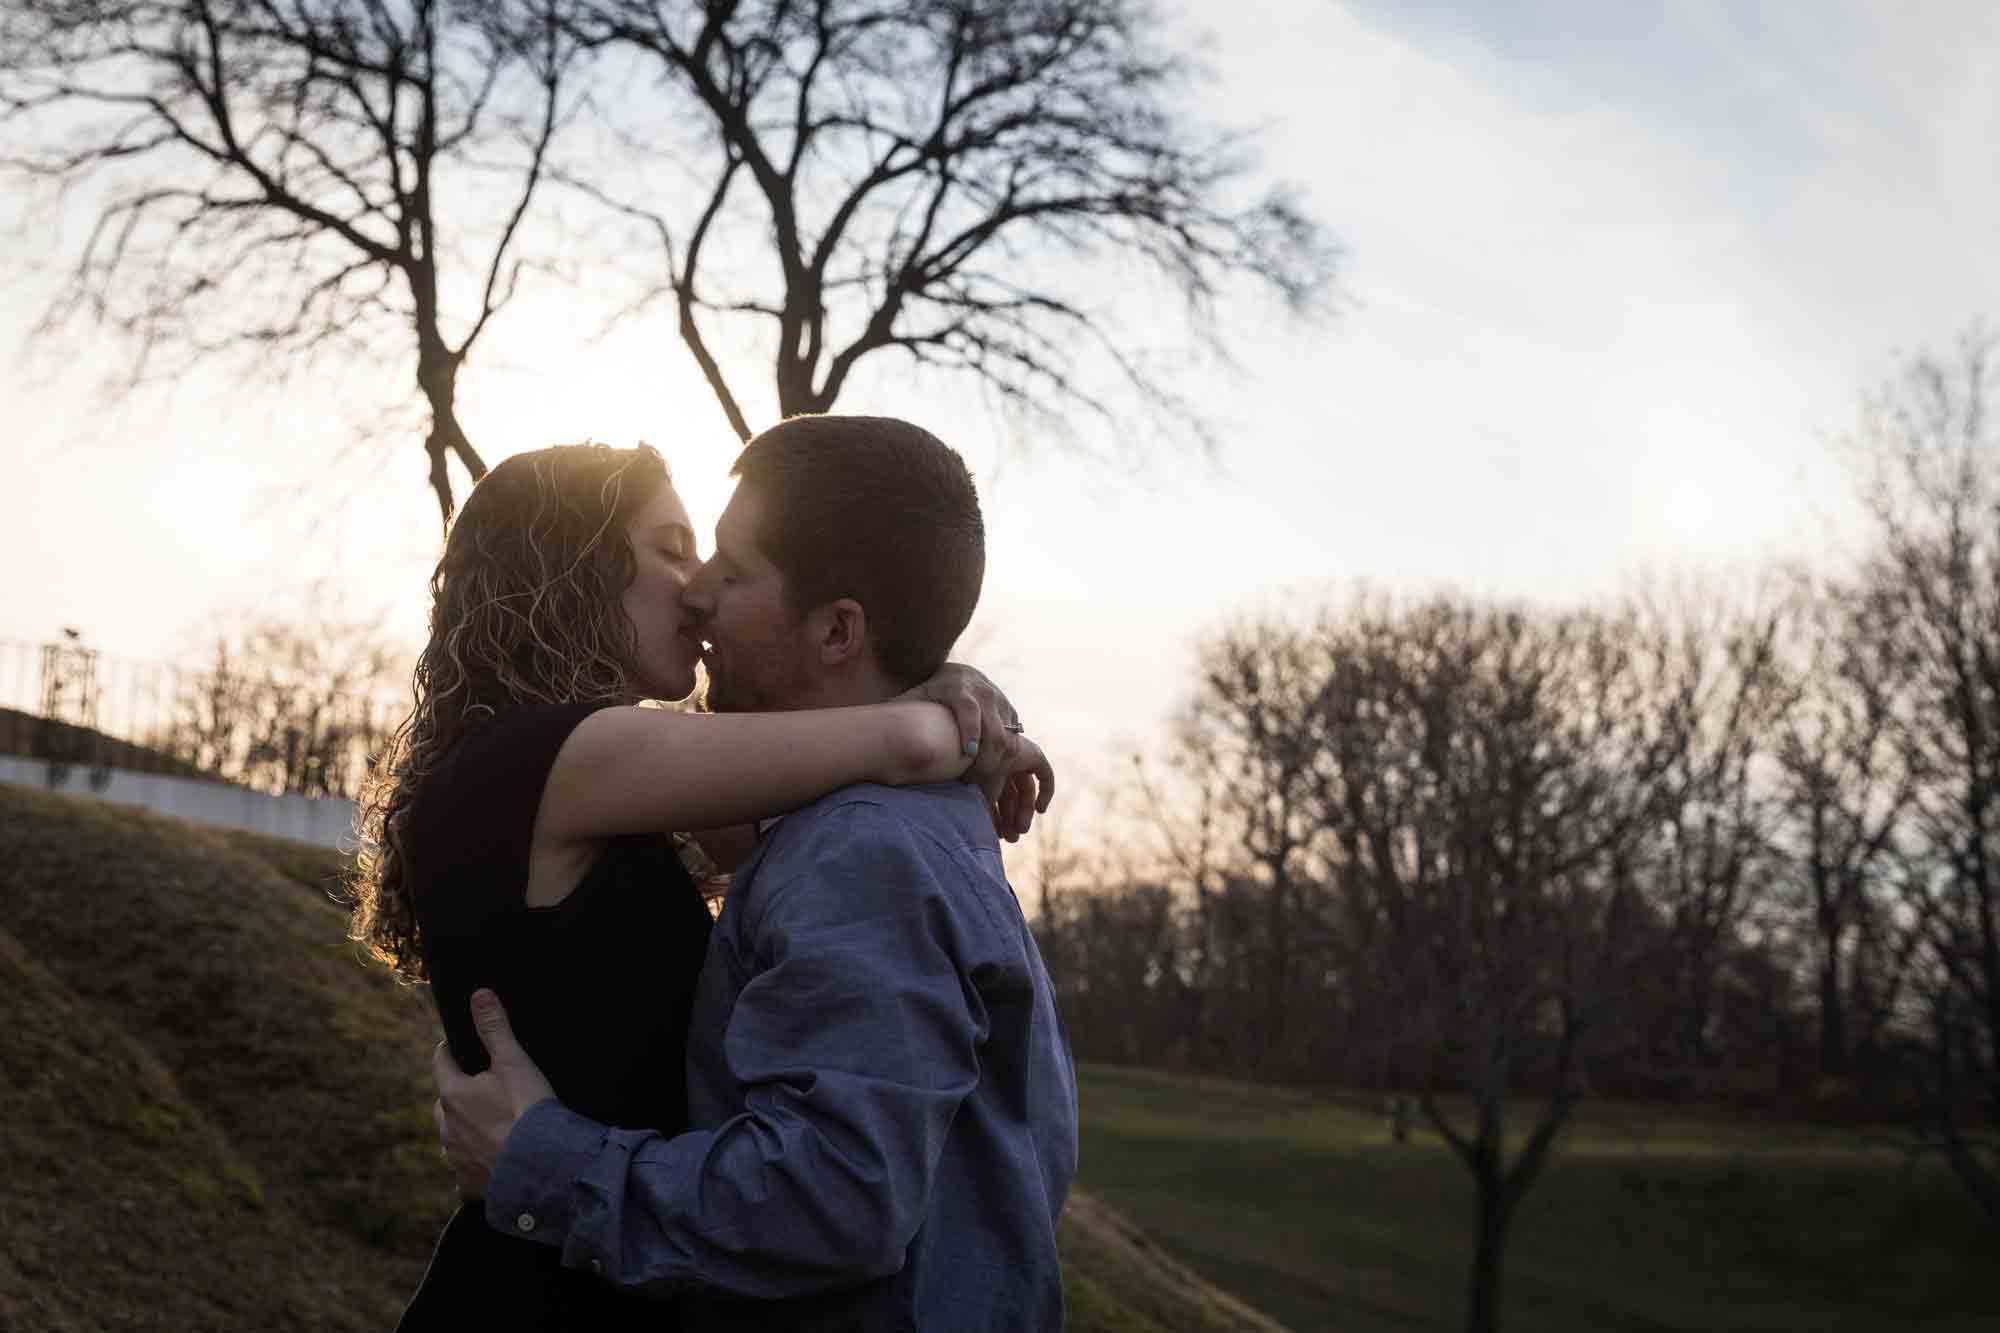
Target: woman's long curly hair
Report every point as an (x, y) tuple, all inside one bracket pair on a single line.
[(525, 608)]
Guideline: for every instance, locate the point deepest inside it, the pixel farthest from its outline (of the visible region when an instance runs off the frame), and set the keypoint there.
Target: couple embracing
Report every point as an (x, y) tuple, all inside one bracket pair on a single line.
[(846, 1102)]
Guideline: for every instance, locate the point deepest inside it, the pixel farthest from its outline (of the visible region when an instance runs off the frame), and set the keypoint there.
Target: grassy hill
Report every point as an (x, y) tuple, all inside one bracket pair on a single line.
[(212, 1116)]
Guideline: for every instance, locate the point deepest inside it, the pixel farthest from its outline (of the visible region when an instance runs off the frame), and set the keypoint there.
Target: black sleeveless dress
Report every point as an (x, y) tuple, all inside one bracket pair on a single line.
[(597, 988)]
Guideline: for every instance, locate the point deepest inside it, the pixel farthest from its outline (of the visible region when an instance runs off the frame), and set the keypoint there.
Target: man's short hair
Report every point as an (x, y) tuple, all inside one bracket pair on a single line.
[(878, 510)]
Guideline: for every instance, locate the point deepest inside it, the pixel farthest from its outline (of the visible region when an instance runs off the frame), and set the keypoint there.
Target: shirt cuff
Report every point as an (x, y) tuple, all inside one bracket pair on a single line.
[(537, 1189)]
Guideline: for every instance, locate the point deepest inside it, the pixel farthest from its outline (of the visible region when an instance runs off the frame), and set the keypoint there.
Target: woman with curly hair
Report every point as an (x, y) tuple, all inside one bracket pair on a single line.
[(522, 831)]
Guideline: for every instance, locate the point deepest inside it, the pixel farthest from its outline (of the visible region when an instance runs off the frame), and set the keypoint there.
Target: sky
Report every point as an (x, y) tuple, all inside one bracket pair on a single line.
[(1615, 280)]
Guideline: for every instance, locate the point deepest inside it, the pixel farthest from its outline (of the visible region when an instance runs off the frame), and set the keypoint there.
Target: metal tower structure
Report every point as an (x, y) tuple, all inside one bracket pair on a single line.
[(68, 732)]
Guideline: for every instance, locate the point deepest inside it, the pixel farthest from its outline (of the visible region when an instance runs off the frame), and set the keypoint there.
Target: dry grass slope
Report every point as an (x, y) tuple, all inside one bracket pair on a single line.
[(127, 1207), (214, 1117), (273, 1062)]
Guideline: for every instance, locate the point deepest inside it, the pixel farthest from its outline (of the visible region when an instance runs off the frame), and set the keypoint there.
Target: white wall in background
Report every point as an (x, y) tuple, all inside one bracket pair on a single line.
[(325, 820)]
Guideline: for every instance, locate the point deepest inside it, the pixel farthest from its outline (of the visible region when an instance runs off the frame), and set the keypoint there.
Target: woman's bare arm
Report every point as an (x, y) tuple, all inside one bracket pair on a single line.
[(650, 770)]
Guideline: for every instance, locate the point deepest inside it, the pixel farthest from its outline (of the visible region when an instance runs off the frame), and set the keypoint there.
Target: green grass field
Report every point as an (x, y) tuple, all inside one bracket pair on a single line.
[(1642, 1221)]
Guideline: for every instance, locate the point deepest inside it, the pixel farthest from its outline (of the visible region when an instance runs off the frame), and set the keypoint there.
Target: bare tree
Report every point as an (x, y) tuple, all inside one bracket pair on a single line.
[(283, 178), (1935, 577), (939, 178), (1253, 740), (1191, 816), (1713, 857), (1845, 789), (1494, 779), (297, 703), (211, 711), (1443, 814)]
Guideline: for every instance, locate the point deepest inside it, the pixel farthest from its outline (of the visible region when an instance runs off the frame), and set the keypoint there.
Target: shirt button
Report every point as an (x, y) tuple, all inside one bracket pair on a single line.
[(525, 1222)]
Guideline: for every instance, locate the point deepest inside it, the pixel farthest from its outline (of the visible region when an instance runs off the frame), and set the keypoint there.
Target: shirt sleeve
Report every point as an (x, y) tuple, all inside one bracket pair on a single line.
[(856, 1042)]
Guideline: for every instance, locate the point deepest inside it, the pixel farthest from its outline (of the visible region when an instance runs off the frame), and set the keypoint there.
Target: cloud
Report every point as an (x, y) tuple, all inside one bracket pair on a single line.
[(1619, 276)]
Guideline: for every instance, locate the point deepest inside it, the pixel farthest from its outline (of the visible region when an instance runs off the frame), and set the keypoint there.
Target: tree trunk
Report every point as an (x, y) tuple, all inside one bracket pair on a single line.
[(437, 376), (1277, 981), (1832, 1015), (1483, 1304), (1976, 1175), (1699, 1000), (795, 390)]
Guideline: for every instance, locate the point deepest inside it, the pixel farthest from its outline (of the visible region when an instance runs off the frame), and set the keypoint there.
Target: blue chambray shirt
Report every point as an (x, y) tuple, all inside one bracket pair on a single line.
[(882, 1094)]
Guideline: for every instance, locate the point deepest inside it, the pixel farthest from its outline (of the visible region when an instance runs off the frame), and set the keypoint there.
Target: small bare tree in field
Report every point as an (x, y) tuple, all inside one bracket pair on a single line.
[(1496, 780), (957, 181), (1447, 813), (286, 179)]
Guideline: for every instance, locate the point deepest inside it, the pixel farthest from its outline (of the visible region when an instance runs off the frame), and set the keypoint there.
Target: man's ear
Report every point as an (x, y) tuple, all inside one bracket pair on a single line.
[(840, 632)]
